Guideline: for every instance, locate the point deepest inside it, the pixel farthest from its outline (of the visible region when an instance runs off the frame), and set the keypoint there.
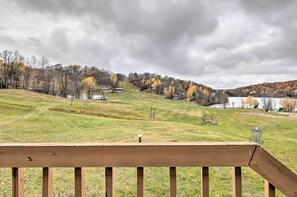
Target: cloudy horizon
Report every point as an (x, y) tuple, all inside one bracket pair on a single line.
[(223, 44)]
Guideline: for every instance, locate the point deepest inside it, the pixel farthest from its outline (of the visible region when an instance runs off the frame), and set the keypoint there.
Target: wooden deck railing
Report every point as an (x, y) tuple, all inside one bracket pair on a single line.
[(171, 155)]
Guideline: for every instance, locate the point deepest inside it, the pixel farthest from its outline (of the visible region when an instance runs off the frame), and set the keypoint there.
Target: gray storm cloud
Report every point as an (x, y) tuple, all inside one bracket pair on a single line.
[(219, 43)]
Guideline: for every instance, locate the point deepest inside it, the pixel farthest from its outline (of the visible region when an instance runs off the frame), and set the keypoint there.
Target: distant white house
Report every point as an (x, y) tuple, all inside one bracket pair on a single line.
[(93, 97), (84, 96), (99, 97), (70, 96), (117, 90)]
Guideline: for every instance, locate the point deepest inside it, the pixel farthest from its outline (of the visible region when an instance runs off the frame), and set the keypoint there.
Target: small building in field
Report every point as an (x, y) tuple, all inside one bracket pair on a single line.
[(99, 97), (93, 97), (181, 96), (117, 90), (84, 96)]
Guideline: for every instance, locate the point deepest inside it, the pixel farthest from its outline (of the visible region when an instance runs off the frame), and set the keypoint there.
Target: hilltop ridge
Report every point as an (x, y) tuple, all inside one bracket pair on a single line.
[(275, 89)]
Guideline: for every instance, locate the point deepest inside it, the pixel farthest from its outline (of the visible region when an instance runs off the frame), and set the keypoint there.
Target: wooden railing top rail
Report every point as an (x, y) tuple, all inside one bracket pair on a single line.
[(129, 144), (152, 155), (126, 155)]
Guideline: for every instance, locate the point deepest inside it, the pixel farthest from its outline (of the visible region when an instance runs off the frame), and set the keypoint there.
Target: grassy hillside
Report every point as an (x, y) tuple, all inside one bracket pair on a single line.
[(31, 117)]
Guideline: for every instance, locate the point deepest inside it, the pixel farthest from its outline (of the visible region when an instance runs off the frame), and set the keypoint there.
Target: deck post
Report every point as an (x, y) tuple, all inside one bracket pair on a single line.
[(140, 182), (17, 182), (79, 182), (47, 182), (172, 181), (269, 189), (236, 181), (109, 181), (205, 181)]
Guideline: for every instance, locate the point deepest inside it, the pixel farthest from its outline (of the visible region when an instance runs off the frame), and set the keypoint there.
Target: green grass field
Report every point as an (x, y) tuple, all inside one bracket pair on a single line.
[(31, 117)]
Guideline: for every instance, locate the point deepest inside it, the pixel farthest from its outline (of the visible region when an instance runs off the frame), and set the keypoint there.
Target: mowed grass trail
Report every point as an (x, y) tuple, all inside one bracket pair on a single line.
[(31, 117)]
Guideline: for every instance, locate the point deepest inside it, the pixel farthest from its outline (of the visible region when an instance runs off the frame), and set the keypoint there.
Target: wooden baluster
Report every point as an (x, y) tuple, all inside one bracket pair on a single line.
[(47, 182), (172, 181), (79, 182), (17, 182), (205, 182), (140, 182), (269, 189), (236, 180), (109, 181)]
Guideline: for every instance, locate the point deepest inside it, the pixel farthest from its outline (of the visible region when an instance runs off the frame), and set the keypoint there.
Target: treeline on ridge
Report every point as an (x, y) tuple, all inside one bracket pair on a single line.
[(276, 89), (37, 74), (177, 89)]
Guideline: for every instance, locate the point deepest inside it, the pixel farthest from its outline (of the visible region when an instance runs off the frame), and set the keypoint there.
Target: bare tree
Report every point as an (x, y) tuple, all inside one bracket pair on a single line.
[(64, 81), (267, 104), (75, 78), (9, 64), (32, 62), (70, 102), (43, 63), (17, 60), (6, 56), (222, 98)]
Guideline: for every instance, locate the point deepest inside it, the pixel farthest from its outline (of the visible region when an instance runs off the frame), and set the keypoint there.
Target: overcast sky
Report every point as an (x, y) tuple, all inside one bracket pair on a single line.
[(220, 43)]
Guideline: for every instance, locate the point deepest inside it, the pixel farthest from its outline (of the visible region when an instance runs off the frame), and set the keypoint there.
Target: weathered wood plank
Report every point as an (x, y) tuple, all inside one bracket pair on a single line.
[(47, 182), (140, 181), (236, 181), (126, 155), (79, 182), (17, 182), (172, 175), (109, 182), (205, 182), (269, 189), (274, 172)]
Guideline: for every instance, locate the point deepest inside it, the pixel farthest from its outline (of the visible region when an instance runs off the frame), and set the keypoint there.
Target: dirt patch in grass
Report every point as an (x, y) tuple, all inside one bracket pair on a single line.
[(280, 116)]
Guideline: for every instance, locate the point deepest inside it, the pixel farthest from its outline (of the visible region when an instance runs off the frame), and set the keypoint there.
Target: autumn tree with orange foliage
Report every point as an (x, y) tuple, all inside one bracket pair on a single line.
[(289, 104), (155, 84), (169, 91), (114, 79), (190, 91), (205, 92), (249, 101), (89, 85)]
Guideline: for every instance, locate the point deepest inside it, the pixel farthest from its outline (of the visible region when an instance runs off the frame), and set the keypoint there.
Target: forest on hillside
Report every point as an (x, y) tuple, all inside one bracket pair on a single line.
[(37, 74), (177, 89), (276, 89)]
